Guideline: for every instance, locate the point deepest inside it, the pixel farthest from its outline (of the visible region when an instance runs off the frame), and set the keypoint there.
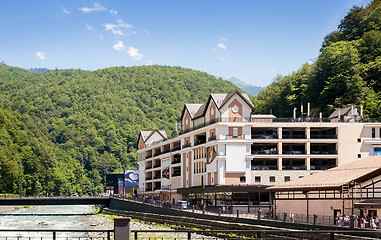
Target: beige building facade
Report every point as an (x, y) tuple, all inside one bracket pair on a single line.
[(220, 142)]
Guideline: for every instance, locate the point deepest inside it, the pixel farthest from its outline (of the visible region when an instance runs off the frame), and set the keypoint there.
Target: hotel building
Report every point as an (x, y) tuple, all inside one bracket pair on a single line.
[(222, 147)]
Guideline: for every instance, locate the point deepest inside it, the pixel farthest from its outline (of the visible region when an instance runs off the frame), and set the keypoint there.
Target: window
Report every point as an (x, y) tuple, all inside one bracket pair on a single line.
[(287, 178), (301, 176), (257, 179), (235, 132), (242, 179), (212, 180), (358, 140), (359, 155), (272, 178), (373, 132)]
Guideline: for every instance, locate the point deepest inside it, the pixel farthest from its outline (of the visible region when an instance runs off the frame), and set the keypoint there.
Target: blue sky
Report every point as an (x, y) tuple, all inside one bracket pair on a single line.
[(249, 39)]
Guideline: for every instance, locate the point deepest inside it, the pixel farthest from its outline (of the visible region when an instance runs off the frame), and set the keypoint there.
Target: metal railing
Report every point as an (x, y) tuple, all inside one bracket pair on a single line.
[(54, 233), (216, 120)]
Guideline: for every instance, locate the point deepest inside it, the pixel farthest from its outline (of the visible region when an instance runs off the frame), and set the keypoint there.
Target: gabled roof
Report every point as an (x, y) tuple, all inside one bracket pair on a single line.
[(220, 99), (192, 108), (343, 111), (333, 178), (200, 111), (147, 134), (243, 96)]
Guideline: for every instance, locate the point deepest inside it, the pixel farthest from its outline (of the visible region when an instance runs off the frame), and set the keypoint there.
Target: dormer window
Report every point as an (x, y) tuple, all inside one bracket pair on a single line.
[(235, 109)]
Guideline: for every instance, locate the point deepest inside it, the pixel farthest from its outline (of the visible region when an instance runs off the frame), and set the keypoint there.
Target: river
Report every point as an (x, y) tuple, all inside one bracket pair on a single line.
[(48, 217)]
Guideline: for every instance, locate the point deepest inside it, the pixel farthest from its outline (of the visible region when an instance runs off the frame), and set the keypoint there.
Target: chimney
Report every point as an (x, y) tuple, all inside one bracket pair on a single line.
[(361, 111), (339, 115), (294, 112)]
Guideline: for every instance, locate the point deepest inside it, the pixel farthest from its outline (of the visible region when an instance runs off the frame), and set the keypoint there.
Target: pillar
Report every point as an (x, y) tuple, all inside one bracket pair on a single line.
[(122, 229)]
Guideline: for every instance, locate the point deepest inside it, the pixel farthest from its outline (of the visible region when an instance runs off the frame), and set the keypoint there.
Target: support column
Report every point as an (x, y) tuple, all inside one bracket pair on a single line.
[(122, 230)]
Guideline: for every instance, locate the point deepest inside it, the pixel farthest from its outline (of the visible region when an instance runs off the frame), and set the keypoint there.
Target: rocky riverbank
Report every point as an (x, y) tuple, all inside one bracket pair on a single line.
[(103, 223)]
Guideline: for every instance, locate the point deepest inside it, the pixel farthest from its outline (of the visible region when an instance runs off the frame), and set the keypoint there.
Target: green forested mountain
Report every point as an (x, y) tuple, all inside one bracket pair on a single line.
[(347, 71), (63, 130)]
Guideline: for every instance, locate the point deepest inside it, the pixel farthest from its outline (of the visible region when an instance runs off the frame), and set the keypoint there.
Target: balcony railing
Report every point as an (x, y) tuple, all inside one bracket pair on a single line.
[(297, 136), (323, 152), (294, 152), (293, 167), (267, 151), (212, 138), (176, 160), (323, 136), (148, 156), (187, 145), (176, 147), (321, 167), (261, 167), (149, 178), (216, 120), (263, 136), (198, 142), (149, 167), (176, 174), (157, 177)]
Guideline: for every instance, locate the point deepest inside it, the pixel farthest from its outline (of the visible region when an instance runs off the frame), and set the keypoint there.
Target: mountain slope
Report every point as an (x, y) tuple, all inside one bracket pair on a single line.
[(89, 121), (250, 89)]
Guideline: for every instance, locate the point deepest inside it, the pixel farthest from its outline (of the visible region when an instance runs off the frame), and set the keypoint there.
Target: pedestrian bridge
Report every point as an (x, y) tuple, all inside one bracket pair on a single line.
[(55, 201)]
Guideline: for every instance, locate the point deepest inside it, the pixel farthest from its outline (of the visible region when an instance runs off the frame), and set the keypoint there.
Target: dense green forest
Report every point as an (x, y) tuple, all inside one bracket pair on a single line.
[(347, 71), (61, 131)]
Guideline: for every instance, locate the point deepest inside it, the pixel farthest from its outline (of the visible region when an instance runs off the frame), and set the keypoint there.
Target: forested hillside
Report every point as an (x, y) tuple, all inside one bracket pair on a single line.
[(347, 71), (62, 130)]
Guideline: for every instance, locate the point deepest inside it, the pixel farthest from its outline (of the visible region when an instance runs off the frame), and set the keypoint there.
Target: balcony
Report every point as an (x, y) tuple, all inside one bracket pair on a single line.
[(148, 167), (212, 138), (157, 177), (294, 152), (267, 151), (187, 145), (323, 136), (198, 142), (176, 147), (288, 167), (321, 167), (260, 167), (323, 152), (176, 159), (263, 136), (149, 178), (296, 136)]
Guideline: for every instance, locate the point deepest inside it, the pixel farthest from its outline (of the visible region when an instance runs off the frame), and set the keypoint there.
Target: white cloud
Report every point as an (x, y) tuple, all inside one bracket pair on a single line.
[(64, 10), (134, 53), (222, 46), (113, 11), (41, 55), (119, 46), (117, 28), (97, 7), (221, 43), (89, 27)]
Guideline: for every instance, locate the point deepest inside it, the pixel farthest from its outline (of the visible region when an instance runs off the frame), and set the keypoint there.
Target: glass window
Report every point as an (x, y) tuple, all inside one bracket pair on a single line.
[(287, 178), (235, 132), (257, 179), (373, 132), (272, 178)]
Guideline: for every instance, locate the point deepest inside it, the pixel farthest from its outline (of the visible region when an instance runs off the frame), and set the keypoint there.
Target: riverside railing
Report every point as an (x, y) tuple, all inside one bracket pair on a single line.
[(104, 234)]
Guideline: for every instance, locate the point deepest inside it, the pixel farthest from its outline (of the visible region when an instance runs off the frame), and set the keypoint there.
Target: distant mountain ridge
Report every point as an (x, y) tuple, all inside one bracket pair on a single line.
[(252, 90)]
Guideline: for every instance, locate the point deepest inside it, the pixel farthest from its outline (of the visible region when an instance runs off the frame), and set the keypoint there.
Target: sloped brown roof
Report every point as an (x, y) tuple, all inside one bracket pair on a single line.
[(333, 178), (200, 111)]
